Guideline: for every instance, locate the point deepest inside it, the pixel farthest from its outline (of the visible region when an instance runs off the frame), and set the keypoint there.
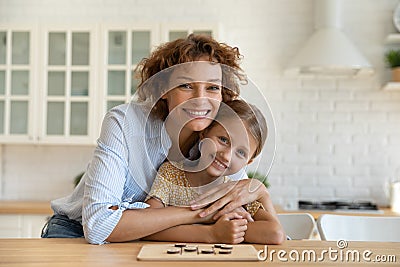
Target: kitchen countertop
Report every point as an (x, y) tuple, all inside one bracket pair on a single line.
[(383, 211), (25, 207)]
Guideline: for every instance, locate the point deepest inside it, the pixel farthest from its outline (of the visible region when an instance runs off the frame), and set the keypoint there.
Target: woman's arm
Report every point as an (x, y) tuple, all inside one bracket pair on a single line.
[(230, 228), (171, 228), (113, 179), (154, 203), (229, 196), (265, 229), (184, 233), (135, 224), (179, 233)]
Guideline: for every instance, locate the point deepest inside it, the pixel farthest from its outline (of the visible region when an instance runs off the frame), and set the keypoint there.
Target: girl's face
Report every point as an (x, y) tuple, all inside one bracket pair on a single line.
[(230, 150), (196, 95)]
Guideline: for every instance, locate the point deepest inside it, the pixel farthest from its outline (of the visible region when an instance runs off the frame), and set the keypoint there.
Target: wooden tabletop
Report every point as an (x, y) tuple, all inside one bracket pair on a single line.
[(77, 253)]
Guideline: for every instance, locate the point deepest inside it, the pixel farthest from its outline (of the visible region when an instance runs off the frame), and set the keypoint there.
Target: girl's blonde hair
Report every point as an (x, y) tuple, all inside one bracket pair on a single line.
[(251, 116)]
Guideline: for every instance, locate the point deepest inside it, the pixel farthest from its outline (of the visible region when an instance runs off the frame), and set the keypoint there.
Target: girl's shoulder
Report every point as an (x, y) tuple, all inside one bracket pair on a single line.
[(171, 167), (171, 171)]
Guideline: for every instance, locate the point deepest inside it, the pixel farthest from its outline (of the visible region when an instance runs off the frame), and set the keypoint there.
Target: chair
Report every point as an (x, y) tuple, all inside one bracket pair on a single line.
[(359, 228), (297, 225)]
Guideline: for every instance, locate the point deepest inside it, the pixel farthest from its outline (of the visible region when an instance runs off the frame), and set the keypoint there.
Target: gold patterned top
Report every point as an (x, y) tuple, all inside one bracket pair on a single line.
[(172, 188)]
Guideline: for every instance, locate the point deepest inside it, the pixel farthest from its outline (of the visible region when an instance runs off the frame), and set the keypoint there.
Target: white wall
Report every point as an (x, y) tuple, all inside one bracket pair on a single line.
[(337, 138)]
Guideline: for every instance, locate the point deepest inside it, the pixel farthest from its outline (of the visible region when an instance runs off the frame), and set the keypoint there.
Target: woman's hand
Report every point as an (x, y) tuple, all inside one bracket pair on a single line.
[(243, 212), (229, 196), (230, 228), (208, 219)]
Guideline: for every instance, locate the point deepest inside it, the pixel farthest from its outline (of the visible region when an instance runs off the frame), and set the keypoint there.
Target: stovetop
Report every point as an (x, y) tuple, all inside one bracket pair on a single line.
[(338, 205)]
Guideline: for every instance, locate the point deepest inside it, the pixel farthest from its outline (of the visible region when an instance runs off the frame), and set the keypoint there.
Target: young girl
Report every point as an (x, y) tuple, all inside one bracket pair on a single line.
[(232, 141), (107, 205)]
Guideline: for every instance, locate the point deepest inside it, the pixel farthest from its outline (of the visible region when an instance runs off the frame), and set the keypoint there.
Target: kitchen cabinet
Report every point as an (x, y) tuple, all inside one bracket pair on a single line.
[(172, 31), (17, 74), (23, 219), (46, 85), (21, 225), (56, 83), (67, 101), (125, 47)]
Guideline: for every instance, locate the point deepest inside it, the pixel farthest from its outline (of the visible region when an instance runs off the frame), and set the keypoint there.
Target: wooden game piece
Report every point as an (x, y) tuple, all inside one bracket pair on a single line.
[(173, 250), (158, 252), (180, 245), (207, 251), (190, 248), (226, 246)]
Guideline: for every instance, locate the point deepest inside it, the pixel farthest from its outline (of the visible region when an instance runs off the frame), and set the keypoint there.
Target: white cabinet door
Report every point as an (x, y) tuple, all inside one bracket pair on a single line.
[(10, 226), (172, 31), (17, 78), (68, 93), (32, 225), (21, 225), (125, 47)]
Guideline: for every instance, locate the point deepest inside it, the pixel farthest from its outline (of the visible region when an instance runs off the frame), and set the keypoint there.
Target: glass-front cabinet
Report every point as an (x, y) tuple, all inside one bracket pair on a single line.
[(56, 84), (16, 85), (125, 49), (69, 93), (173, 31)]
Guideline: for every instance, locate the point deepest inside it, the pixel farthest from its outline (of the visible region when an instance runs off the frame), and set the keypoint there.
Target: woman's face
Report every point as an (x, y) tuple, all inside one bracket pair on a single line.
[(196, 94)]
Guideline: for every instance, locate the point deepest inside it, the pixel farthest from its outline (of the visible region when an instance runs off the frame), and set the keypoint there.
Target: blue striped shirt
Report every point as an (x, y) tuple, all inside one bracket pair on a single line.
[(129, 151)]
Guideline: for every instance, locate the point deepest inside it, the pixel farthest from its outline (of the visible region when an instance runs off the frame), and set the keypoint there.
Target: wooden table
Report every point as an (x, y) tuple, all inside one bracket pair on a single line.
[(77, 253)]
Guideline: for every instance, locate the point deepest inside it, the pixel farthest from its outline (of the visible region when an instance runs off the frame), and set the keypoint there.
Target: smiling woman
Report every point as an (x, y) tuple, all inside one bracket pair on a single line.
[(108, 203)]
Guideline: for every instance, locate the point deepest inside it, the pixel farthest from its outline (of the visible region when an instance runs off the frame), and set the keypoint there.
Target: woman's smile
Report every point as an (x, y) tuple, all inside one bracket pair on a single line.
[(197, 114)]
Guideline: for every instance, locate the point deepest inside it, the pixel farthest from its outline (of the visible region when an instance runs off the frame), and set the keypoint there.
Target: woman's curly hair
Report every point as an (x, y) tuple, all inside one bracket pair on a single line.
[(186, 50)]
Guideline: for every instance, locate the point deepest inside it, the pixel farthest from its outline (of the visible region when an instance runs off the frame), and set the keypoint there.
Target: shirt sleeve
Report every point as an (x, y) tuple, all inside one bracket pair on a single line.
[(106, 177), (161, 187)]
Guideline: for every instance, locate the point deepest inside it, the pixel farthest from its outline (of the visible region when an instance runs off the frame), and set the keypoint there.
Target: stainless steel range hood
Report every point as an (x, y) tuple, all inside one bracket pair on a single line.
[(329, 51)]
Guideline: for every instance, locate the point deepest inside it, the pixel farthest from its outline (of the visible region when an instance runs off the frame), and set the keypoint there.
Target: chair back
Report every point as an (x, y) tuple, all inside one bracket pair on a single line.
[(297, 225), (359, 228)]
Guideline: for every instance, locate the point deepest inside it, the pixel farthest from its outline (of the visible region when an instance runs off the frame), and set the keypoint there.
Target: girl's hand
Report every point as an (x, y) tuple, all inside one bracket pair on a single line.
[(243, 212), (230, 228), (229, 196)]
